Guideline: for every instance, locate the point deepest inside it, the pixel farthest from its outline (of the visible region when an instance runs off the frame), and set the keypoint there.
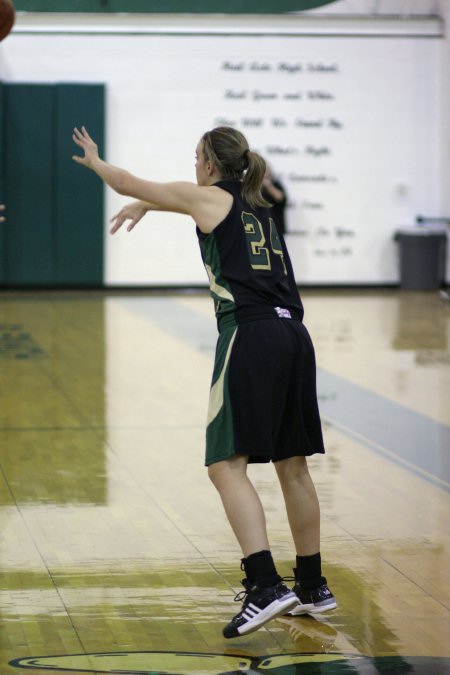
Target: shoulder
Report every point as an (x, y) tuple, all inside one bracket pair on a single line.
[(213, 207)]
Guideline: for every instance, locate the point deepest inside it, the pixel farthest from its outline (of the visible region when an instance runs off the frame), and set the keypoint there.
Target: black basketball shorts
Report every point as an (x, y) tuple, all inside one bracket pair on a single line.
[(263, 400)]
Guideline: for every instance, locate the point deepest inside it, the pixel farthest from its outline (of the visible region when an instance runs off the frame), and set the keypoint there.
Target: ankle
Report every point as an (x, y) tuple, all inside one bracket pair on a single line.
[(260, 568), (308, 573)]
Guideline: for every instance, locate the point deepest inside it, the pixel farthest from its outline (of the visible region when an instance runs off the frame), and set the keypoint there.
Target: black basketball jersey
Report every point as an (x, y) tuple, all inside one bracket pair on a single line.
[(247, 261)]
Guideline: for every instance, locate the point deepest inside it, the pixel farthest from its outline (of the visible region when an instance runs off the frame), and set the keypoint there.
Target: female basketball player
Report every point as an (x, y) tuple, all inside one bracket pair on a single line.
[(263, 403)]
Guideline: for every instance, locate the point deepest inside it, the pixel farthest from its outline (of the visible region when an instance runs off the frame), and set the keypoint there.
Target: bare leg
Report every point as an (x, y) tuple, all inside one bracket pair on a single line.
[(302, 504), (241, 502)]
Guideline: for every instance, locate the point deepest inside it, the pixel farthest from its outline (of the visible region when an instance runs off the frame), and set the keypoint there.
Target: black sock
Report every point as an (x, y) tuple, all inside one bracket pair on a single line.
[(309, 571), (259, 568)]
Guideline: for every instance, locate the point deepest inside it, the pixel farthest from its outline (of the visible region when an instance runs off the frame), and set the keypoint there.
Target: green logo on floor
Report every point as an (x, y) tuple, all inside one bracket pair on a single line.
[(192, 663)]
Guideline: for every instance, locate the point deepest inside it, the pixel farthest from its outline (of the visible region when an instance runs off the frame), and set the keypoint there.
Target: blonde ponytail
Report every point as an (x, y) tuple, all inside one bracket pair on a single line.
[(227, 148), (252, 180)]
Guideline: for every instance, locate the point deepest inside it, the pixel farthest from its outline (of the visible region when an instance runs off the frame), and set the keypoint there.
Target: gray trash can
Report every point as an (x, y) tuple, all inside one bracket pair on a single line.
[(422, 253)]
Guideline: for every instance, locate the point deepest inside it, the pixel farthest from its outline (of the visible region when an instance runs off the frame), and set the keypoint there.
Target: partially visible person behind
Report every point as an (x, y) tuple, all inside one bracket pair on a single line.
[(273, 192)]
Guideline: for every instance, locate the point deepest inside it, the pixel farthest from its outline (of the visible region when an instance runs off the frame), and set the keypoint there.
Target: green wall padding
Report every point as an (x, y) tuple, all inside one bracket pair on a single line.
[(53, 235), (29, 183), (79, 193)]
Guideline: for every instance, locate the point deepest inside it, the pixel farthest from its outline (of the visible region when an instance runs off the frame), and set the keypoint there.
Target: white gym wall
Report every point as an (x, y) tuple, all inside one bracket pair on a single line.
[(352, 112)]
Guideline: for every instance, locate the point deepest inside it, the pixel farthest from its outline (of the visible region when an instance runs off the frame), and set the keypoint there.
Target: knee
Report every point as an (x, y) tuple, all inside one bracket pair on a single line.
[(294, 468), (213, 474), (220, 473), (217, 473)]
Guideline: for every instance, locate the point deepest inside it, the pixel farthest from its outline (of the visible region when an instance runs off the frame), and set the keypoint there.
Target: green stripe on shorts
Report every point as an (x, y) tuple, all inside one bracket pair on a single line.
[(219, 429)]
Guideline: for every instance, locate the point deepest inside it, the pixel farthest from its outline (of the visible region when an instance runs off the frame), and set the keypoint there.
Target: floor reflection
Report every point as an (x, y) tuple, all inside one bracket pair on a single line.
[(115, 561)]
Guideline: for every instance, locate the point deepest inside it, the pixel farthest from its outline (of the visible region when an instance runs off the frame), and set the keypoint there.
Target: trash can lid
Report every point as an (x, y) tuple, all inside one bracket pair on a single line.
[(421, 231)]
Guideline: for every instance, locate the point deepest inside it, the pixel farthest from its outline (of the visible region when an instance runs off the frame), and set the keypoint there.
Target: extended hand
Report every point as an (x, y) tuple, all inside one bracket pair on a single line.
[(86, 143), (2, 208), (133, 212)]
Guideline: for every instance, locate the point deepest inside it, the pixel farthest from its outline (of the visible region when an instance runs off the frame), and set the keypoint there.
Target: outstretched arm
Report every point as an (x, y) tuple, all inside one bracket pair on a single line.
[(207, 204), (181, 197)]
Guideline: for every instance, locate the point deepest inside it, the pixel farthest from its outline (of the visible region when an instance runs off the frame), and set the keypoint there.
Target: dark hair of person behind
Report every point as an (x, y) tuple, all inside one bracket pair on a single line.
[(228, 150)]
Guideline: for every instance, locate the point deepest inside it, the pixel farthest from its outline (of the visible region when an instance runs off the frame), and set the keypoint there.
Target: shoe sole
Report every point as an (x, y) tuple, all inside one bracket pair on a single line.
[(311, 609), (276, 608)]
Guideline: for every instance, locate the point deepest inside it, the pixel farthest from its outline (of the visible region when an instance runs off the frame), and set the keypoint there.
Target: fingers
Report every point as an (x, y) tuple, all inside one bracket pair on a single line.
[(115, 227), (82, 134), (116, 216), (119, 219), (78, 137), (82, 137), (85, 133), (79, 140), (85, 142), (132, 224), (118, 224)]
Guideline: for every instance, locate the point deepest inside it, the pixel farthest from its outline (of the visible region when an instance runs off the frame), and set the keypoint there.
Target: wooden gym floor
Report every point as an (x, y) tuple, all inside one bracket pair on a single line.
[(115, 555)]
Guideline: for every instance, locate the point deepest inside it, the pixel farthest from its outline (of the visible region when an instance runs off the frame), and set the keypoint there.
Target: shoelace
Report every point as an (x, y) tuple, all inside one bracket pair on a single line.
[(239, 597)]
